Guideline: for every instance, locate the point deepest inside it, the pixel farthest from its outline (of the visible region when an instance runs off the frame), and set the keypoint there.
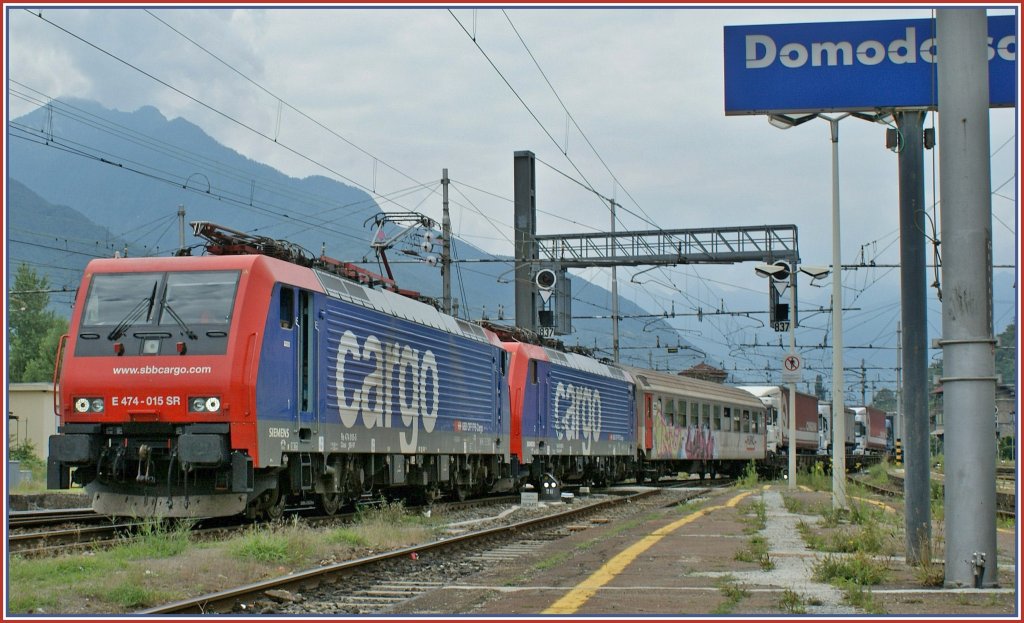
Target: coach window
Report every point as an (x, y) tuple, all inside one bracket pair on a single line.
[(746, 422), (717, 421), (694, 415), (670, 412), (736, 421), (681, 416), (705, 411), (287, 307), (755, 421)]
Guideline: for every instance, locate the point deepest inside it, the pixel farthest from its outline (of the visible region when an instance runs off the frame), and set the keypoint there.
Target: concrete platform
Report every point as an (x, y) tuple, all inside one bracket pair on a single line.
[(694, 559)]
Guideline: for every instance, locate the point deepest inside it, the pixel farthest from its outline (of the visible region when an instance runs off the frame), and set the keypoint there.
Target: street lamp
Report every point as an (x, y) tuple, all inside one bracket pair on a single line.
[(780, 272), (838, 414)]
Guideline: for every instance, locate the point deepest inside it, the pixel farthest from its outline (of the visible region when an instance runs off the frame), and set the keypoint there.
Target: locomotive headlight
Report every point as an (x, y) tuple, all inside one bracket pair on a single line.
[(87, 405), (204, 404)]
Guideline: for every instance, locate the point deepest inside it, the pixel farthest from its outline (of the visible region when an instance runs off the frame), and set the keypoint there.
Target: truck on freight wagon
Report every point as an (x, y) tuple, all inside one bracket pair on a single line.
[(776, 399), (869, 431)]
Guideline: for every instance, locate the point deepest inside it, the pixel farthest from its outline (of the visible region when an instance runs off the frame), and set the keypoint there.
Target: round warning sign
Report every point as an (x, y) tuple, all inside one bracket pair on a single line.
[(792, 367)]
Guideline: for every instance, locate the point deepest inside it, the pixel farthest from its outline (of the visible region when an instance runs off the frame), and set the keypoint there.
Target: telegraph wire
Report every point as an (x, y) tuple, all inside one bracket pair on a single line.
[(209, 107), (569, 115), (164, 148), (282, 102), (587, 185)]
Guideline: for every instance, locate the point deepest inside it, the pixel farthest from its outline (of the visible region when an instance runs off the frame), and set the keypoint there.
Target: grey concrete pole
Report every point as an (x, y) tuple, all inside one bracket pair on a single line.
[(967, 340), (838, 408), (914, 315), (525, 225), (791, 485), (615, 292)]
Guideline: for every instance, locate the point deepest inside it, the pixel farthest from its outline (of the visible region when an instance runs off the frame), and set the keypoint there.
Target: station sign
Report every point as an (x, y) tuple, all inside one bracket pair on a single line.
[(851, 66)]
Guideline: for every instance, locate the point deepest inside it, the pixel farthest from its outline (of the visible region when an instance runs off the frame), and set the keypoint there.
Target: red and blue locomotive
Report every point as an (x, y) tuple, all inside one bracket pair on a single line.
[(229, 383), (253, 377)]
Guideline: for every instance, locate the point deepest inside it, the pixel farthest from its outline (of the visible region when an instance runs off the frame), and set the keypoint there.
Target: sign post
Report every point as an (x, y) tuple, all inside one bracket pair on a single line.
[(882, 67)]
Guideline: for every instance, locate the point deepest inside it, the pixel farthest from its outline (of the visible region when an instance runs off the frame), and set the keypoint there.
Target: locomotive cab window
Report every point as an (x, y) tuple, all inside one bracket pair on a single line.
[(121, 298), (158, 313), (201, 298), (287, 307)]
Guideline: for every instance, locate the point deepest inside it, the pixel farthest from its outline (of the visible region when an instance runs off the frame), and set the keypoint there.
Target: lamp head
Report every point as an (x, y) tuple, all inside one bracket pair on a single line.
[(785, 122), (778, 271), (815, 272)]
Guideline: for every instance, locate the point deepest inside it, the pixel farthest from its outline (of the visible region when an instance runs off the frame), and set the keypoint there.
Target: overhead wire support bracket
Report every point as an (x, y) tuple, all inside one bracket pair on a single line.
[(712, 245)]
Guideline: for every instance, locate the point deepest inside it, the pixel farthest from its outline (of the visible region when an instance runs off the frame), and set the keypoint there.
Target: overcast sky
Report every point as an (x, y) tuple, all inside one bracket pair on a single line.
[(411, 93)]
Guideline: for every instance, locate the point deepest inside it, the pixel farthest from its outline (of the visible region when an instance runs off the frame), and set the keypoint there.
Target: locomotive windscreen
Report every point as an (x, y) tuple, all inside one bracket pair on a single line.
[(149, 313)]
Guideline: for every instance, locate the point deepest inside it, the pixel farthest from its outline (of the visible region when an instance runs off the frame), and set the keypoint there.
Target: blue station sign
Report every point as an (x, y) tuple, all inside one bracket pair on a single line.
[(851, 66)]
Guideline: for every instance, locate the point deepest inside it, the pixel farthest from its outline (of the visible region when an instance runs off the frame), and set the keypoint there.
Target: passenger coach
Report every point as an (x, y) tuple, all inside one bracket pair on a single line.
[(694, 426)]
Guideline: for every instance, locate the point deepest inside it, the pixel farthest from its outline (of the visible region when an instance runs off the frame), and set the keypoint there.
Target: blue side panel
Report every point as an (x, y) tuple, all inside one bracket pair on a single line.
[(276, 383), (577, 412), (393, 385)]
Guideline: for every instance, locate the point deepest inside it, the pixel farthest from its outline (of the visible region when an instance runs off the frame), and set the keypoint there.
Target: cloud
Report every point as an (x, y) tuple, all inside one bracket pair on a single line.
[(405, 92)]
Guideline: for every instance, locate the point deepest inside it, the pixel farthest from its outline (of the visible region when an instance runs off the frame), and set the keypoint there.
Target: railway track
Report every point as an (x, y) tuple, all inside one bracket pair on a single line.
[(51, 517), (375, 583), (1005, 501), (47, 532)]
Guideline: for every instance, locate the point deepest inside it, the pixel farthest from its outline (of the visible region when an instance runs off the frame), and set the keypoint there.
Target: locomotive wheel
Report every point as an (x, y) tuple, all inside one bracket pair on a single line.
[(275, 510), (329, 503)]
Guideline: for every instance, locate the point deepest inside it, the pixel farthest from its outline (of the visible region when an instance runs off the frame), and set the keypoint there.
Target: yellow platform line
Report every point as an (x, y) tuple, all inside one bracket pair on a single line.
[(578, 595)]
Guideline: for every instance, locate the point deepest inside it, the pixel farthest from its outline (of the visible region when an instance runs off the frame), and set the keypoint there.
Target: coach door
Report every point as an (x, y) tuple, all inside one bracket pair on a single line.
[(306, 365), (648, 430)]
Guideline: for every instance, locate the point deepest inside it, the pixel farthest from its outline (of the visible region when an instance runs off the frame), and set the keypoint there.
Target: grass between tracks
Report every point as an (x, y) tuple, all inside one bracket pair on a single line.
[(165, 563)]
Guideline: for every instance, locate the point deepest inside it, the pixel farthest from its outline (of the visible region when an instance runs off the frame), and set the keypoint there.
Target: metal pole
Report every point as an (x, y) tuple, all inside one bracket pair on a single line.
[(863, 384), (913, 300), (898, 423), (838, 408), (181, 228), (446, 249), (792, 385), (615, 293), (967, 339)]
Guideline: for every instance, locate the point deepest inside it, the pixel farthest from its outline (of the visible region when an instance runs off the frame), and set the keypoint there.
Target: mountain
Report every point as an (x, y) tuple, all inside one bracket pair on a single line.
[(78, 172), (55, 240)]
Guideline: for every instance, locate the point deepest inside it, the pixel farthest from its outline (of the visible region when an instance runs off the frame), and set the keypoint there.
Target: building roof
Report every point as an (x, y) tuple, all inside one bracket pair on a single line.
[(706, 372)]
